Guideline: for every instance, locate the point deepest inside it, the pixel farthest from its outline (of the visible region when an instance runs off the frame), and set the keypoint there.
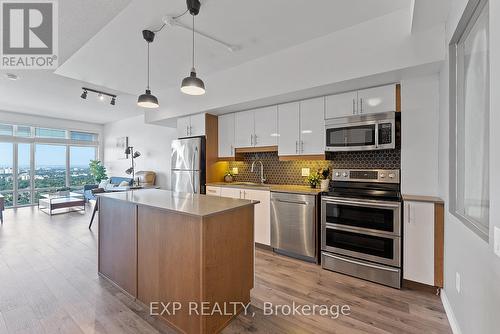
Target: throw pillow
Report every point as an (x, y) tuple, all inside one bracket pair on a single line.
[(103, 184), (123, 184)]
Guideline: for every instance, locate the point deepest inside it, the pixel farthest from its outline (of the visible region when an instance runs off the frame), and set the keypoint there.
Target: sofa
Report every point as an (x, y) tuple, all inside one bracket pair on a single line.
[(114, 180)]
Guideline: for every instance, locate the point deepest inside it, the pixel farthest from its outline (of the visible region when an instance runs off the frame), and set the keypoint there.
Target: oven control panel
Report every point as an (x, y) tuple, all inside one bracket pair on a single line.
[(367, 175)]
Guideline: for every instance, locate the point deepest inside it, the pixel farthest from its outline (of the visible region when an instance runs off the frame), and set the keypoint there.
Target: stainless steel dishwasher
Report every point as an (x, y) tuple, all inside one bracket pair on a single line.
[(294, 225)]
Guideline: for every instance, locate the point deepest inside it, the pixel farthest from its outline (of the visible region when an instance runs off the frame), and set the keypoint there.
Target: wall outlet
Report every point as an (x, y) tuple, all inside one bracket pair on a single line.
[(496, 237), (235, 170), (306, 172), (458, 283)]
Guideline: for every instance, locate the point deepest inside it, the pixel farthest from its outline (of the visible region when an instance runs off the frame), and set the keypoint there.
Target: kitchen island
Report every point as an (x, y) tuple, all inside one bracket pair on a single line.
[(182, 255)]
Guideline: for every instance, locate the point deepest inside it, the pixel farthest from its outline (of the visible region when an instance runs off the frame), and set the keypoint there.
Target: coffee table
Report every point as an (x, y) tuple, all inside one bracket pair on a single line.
[(50, 202)]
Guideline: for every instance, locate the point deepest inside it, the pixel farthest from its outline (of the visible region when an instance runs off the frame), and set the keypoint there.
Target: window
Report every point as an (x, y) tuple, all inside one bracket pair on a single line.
[(6, 130), (50, 166), (50, 133), (83, 136), (23, 131), (469, 183), (80, 157), (6, 172)]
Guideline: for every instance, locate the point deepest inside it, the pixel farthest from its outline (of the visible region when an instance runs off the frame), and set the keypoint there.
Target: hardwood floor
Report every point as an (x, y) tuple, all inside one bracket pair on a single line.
[(49, 284)]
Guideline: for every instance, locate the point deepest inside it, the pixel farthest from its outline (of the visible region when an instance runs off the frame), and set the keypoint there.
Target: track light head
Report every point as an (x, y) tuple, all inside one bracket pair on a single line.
[(84, 95), (113, 101)]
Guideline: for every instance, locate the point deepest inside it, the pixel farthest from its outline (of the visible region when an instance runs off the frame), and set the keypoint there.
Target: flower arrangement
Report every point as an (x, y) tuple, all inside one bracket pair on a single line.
[(314, 179)]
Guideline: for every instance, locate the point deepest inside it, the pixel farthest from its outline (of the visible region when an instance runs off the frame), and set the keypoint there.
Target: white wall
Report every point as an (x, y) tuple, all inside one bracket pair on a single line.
[(477, 307), (419, 128), (153, 141)]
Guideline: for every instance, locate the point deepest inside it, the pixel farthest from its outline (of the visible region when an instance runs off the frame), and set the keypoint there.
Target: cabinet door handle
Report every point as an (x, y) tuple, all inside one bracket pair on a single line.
[(296, 147), (187, 130), (409, 213), (361, 102), (255, 139), (251, 140), (301, 146), (240, 193), (190, 130), (353, 106)]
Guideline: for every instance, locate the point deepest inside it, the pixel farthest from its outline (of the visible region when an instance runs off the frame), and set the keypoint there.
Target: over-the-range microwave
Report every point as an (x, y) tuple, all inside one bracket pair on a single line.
[(362, 132)]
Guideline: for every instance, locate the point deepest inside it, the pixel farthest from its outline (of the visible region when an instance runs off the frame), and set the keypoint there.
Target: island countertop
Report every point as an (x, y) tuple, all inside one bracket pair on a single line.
[(190, 204)]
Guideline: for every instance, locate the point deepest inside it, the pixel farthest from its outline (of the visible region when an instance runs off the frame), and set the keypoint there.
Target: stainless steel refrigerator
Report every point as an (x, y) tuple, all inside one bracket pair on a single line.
[(188, 165)]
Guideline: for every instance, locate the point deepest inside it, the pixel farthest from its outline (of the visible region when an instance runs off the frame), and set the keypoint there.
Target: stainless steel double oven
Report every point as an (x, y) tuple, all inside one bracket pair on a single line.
[(361, 226)]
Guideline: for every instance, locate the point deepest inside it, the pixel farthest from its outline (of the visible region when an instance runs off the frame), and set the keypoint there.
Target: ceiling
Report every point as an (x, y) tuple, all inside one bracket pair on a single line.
[(101, 47)]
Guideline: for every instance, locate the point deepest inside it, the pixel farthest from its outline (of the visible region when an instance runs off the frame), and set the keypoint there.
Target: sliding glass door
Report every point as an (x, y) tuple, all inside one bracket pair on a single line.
[(24, 174)]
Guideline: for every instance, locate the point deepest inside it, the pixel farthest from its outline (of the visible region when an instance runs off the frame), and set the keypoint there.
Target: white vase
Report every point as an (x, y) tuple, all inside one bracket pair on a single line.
[(325, 184)]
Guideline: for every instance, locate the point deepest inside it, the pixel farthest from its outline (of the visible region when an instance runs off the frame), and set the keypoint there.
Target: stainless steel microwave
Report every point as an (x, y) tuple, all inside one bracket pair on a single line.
[(361, 132)]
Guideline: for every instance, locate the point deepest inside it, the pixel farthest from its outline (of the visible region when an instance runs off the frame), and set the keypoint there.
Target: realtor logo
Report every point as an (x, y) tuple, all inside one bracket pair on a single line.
[(29, 34)]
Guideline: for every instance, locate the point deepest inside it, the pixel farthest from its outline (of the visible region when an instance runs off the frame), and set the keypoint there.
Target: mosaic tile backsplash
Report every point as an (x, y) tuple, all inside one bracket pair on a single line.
[(290, 172)]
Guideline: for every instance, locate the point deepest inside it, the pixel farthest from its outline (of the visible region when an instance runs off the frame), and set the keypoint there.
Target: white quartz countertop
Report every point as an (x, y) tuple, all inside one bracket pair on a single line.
[(191, 204)]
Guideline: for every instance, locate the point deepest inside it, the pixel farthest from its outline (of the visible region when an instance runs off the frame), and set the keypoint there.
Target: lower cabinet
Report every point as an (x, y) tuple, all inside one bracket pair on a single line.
[(422, 253), (262, 210)]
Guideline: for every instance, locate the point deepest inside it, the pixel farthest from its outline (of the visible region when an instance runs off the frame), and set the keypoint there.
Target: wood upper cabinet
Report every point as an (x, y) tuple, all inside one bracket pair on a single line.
[(266, 126), (191, 126), (418, 263), (226, 135), (377, 99), (244, 128), (312, 126), (289, 128), (301, 127), (341, 105)]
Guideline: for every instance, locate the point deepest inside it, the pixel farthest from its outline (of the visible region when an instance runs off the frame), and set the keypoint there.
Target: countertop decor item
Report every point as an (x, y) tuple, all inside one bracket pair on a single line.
[(325, 175), (314, 179), (229, 176)]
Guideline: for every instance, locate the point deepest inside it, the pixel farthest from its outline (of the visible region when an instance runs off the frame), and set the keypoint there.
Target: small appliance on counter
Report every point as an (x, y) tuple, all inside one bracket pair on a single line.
[(361, 225), (188, 165)]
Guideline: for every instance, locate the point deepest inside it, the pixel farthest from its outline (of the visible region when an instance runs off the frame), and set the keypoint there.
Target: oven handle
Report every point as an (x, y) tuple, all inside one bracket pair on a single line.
[(362, 202), (360, 263), (359, 230)]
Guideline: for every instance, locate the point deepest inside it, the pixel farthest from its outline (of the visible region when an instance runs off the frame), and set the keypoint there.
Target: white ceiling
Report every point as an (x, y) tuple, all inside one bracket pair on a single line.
[(116, 57), (101, 46)]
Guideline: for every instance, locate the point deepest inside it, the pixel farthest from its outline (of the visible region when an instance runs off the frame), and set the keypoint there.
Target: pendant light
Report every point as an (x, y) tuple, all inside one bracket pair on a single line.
[(148, 100), (193, 85)]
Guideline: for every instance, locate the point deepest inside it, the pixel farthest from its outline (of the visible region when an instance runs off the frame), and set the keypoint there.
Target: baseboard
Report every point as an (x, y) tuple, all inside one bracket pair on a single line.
[(449, 313)]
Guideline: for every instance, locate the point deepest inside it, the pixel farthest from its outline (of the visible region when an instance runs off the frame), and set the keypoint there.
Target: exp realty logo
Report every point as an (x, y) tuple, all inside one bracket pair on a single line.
[(29, 38)]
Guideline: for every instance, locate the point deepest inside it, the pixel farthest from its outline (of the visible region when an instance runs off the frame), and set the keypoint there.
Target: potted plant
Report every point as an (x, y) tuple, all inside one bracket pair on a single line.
[(325, 178), (229, 176), (314, 179), (97, 170)]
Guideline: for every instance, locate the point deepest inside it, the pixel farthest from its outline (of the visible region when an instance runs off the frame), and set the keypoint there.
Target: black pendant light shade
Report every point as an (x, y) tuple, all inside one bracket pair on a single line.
[(148, 100), (192, 85)]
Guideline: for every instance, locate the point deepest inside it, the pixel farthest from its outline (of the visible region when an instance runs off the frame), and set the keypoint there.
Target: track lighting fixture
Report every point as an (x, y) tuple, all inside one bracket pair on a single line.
[(148, 100), (192, 85), (100, 95)]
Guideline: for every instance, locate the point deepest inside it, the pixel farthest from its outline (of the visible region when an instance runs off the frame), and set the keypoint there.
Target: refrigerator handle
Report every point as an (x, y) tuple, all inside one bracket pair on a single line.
[(195, 153)]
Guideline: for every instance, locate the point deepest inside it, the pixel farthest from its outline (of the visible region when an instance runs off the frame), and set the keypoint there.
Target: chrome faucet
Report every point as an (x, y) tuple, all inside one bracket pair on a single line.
[(262, 178)]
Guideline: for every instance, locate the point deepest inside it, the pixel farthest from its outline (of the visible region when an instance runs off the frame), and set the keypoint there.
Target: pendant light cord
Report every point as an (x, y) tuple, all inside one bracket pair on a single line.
[(148, 65), (193, 41)]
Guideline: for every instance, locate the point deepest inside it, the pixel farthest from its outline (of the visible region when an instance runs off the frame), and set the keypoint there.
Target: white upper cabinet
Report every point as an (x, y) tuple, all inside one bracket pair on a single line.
[(376, 100), (312, 126), (266, 126), (226, 135), (191, 126), (197, 125), (244, 128), (365, 101), (183, 124), (289, 128), (341, 105)]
